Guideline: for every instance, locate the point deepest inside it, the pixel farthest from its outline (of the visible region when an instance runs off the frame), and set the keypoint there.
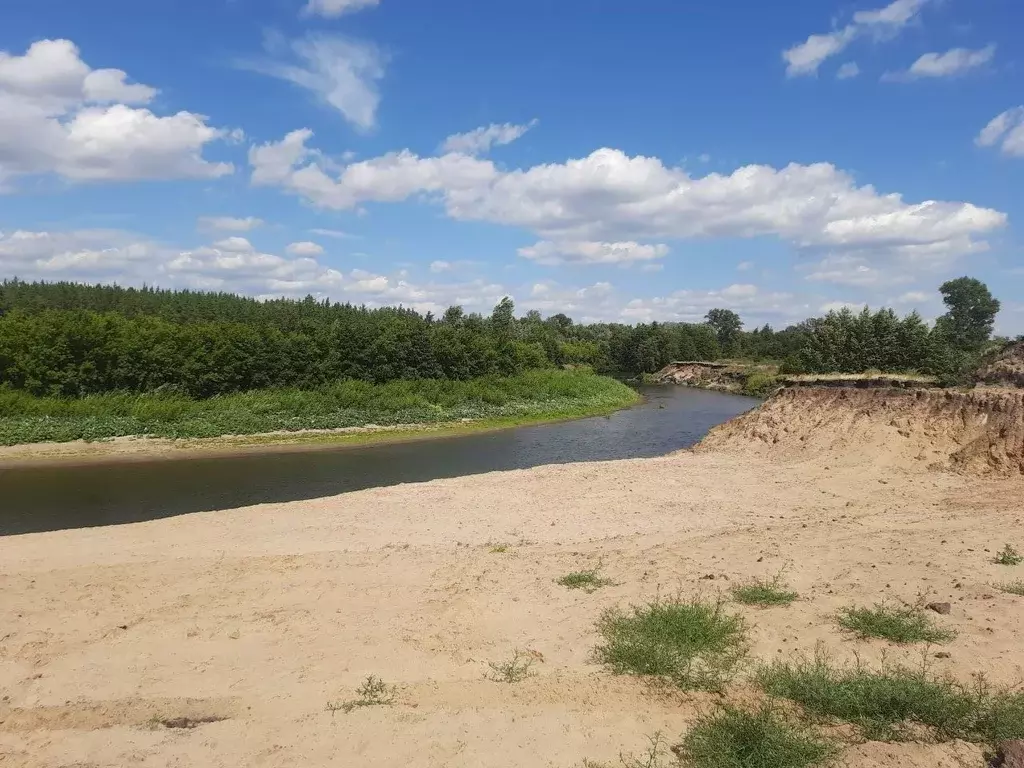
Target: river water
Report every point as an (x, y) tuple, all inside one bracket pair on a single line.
[(59, 496)]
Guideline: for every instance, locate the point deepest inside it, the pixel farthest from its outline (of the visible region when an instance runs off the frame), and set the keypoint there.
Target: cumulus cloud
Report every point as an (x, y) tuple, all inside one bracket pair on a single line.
[(948, 64), (912, 297), (805, 58), (480, 141), (1006, 131), (584, 252), (839, 306), (342, 73), (59, 116), (229, 223), (332, 9), (848, 71), (232, 264), (602, 207), (305, 248)]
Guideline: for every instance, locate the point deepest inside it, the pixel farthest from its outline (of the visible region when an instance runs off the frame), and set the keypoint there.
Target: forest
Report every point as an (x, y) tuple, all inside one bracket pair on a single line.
[(69, 340)]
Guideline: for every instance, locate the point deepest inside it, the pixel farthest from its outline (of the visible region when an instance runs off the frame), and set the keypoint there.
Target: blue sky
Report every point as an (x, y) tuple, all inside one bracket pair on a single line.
[(621, 161)]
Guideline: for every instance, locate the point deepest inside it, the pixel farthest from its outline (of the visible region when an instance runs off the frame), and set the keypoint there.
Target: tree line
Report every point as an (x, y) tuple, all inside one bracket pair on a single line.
[(71, 340)]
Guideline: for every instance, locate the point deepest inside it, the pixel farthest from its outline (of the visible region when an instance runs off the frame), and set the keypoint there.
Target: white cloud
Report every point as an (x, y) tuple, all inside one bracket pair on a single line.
[(610, 197), (839, 306), (333, 8), (229, 223), (341, 72), (85, 254), (913, 297), (805, 58), (848, 71), (234, 244), (480, 141), (305, 248), (440, 266), (848, 270), (587, 252), (335, 233), (59, 116), (232, 264), (744, 266), (948, 64), (1006, 130)]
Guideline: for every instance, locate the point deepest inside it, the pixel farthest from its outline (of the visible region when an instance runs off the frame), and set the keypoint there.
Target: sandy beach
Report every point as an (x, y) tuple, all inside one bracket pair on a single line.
[(256, 618)]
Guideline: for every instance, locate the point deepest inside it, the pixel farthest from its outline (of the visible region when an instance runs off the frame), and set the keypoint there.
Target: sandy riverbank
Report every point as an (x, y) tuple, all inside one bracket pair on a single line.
[(260, 616)]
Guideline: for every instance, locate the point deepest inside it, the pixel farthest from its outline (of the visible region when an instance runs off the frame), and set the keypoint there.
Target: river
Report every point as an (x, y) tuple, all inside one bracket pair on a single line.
[(58, 496)]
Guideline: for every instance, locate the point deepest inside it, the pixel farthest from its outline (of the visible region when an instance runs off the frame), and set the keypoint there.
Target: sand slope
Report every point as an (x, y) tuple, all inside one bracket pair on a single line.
[(978, 432), (258, 617)]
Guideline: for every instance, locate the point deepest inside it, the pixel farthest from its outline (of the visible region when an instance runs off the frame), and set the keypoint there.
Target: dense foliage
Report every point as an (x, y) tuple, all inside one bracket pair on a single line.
[(534, 395), (70, 340)]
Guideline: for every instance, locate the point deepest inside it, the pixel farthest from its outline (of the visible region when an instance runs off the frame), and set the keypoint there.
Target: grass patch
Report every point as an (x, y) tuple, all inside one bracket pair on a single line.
[(498, 549), (764, 592), (1012, 587), (761, 738), (899, 624), (515, 670), (374, 692), (693, 644), (1009, 556), (539, 395), (894, 703), (589, 581)]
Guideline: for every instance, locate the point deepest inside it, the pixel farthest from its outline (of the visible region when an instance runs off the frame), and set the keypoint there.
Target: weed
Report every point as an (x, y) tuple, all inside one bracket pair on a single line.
[(374, 692), (900, 624), (692, 644), (1012, 587), (498, 548), (764, 592), (515, 670), (762, 738), (1002, 718), (1009, 556), (894, 702), (654, 756), (589, 581)]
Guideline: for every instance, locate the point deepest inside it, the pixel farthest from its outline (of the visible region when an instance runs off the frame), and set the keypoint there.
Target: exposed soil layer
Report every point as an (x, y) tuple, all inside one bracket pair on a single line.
[(1006, 369), (718, 376), (976, 432)]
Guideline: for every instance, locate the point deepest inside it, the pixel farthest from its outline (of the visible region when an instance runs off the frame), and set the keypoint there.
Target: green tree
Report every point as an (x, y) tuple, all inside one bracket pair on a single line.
[(727, 326), (972, 313)]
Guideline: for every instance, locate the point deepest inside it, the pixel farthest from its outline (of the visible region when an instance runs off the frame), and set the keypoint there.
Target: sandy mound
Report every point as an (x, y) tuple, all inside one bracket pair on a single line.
[(1007, 369), (977, 432)]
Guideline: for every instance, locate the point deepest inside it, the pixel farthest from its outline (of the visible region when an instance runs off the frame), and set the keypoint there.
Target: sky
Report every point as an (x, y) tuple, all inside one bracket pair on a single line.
[(615, 160)]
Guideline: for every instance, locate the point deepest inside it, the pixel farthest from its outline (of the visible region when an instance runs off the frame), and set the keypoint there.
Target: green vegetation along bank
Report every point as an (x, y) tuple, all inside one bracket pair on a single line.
[(533, 396)]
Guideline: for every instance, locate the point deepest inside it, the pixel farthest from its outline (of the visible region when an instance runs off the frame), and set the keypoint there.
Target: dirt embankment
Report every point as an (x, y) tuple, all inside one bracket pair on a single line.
[(1006, 369), (980, 431), (718, 376)]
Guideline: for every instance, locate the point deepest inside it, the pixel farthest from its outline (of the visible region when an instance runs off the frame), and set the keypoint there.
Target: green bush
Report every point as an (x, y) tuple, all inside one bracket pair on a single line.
[(692, 644)]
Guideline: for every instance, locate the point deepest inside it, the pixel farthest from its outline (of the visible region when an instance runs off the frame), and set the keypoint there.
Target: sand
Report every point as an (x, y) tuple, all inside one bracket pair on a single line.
[(256, 618)]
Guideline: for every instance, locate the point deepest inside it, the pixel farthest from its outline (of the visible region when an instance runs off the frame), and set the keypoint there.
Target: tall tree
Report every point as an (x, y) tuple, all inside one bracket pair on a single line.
[(727, 326), (972, 313)]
